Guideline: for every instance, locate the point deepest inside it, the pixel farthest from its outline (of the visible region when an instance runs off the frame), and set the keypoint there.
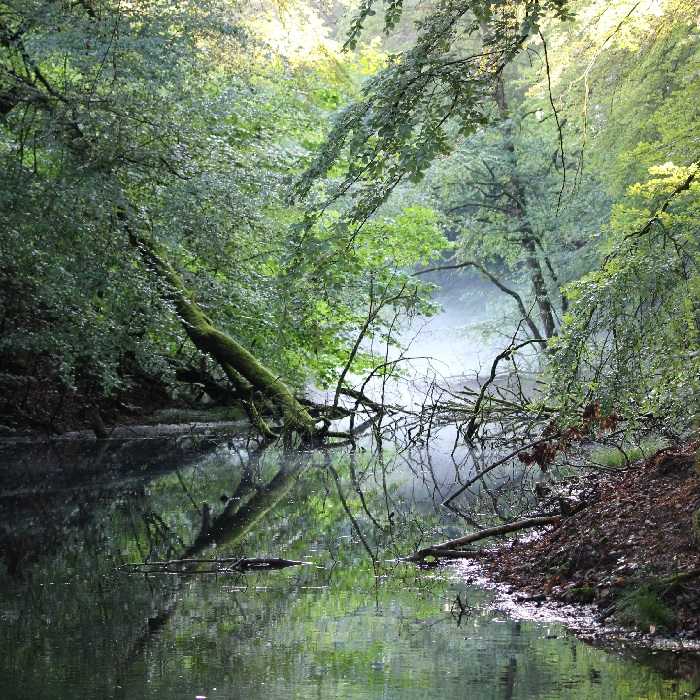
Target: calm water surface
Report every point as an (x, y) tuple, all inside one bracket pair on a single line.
[(73, 626)]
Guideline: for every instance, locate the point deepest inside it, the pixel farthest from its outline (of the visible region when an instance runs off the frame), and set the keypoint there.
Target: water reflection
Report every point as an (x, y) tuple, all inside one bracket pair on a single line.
[(73, 626)]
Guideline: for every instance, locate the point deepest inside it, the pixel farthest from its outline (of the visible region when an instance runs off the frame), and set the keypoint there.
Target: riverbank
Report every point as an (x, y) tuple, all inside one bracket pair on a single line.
[(633, 554), (168, 423), (36, 402)]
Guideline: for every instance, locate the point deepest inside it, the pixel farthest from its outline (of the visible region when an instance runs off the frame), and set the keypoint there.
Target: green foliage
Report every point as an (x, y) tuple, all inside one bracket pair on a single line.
[(623, 79), (618, 458), (629, 338), (183, 118), (338, 276), (188, 121), (411, 111), (499, 190), (644, 91), (643, 608)]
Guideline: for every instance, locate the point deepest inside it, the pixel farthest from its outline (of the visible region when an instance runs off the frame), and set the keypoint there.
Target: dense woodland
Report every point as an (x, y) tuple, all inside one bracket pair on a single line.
[(211, 199), (241, 211)]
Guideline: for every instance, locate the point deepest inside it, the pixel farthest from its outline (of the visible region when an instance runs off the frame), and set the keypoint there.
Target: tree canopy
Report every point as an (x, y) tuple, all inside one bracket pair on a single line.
[(283, 173)]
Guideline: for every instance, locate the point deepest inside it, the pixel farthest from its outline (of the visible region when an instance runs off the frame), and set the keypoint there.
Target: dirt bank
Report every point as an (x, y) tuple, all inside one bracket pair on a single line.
[(633, 553)]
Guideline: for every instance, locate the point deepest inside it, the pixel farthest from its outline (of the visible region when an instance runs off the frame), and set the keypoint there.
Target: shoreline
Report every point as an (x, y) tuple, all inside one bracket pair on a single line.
[(580, 619), (628, 564), (167, 422)]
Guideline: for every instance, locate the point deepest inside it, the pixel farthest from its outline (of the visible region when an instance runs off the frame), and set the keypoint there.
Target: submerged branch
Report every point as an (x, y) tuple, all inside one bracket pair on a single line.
[(225, 565)]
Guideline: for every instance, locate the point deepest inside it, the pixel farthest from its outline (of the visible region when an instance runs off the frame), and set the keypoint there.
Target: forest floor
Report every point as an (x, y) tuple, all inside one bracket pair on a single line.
[(633, 553)]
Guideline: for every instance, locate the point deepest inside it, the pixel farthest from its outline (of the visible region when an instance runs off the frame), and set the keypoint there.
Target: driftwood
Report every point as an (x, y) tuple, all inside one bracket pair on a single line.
[(211, 566), (268, 564), (452, 545)]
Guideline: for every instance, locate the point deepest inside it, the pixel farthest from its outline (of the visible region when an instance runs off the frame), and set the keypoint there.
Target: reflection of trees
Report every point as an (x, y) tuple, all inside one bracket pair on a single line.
[(250, 503), (73, 514), (253, 498), (378, 517), (507, 679), (124, 630), (49, 490)]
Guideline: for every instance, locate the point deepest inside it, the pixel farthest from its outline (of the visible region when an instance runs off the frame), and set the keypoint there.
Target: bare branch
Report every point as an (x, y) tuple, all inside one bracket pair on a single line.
[(506, 290)]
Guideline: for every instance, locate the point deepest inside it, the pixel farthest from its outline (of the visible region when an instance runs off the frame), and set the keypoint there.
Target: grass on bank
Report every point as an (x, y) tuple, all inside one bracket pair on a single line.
[(621, 457)]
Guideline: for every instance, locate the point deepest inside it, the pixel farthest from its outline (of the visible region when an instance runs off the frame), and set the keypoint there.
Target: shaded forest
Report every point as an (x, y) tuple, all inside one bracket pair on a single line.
[(241, 211), (206, 201)]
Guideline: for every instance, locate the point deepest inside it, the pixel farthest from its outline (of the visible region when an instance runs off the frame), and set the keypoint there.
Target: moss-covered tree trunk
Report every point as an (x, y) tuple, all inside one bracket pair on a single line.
[(242, 368), (250, 505)]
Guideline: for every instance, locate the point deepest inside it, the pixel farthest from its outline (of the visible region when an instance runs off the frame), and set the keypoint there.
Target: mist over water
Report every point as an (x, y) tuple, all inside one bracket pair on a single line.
[(454, 346), (461, 340), (438, 356)]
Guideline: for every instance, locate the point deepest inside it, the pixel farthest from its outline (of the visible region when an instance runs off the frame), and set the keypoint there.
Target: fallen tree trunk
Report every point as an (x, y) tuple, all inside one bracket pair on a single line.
[(672, 582), (483, 534), (245, 372), (239, 518)]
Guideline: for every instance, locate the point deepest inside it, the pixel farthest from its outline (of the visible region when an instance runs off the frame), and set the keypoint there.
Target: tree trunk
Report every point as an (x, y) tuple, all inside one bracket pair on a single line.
[(533, 264), (249, 506), (245, 372), (516, 207)]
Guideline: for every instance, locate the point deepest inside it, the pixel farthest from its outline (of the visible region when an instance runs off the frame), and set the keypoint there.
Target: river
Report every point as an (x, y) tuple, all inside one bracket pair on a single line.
[(354, 622), (76, 626)]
